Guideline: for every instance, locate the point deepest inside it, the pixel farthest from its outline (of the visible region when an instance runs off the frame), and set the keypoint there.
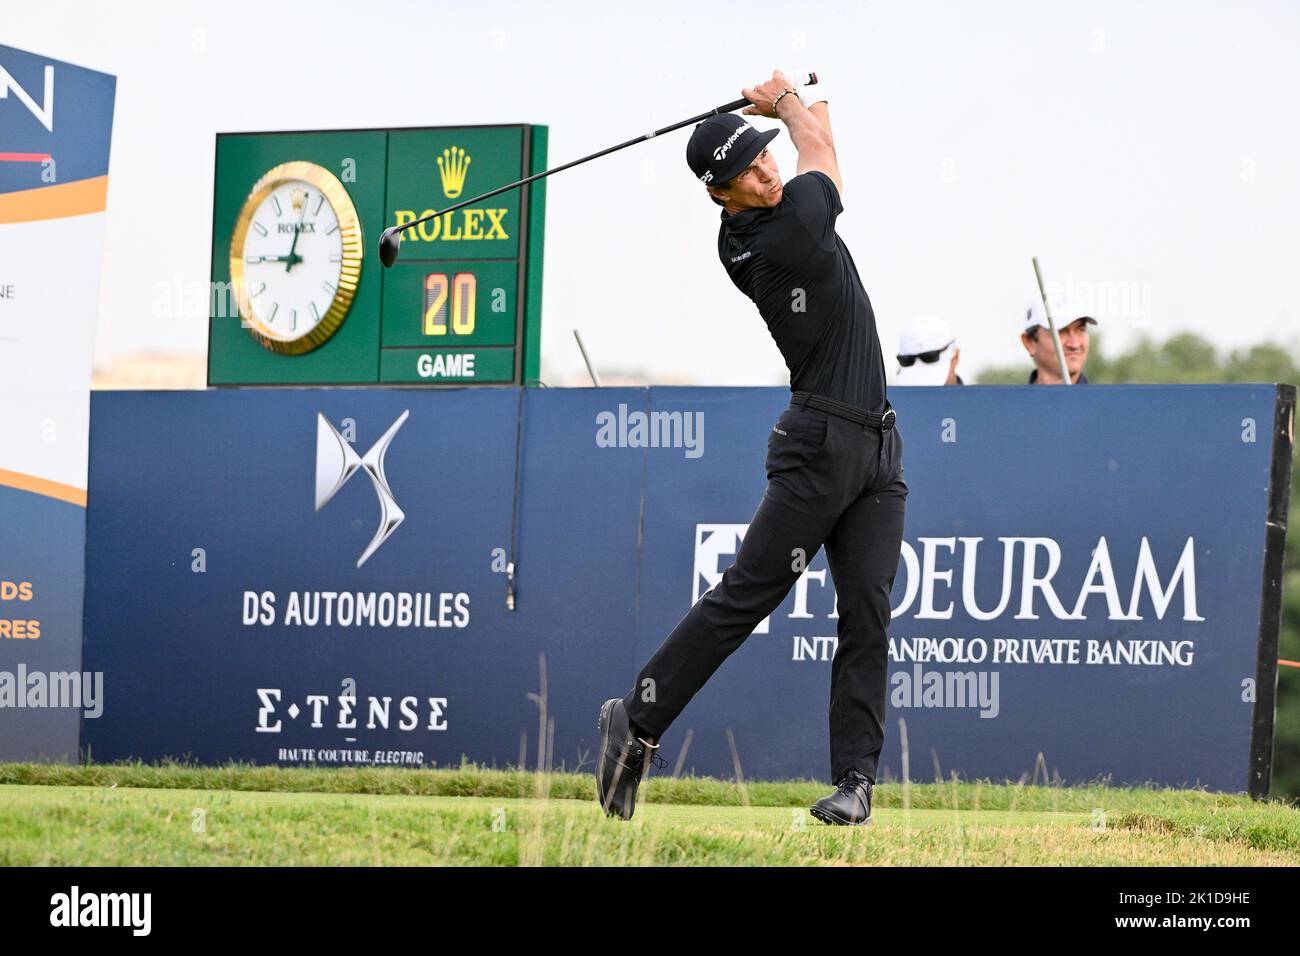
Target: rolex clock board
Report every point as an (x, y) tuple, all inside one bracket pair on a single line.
[(299, 296)]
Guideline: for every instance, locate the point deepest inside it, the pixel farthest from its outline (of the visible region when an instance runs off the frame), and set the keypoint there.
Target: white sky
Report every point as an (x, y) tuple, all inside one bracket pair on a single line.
[(1147, 153)]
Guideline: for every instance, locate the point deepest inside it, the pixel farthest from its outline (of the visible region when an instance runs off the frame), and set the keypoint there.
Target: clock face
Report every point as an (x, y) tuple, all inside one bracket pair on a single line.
[(295, 257)]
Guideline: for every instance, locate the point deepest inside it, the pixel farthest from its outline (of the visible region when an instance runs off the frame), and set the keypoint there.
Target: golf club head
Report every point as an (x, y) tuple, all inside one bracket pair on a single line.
[(390, 243)]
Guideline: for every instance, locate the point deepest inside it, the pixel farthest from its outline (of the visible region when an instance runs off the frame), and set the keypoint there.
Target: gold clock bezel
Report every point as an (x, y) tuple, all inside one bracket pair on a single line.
[(349, 274)]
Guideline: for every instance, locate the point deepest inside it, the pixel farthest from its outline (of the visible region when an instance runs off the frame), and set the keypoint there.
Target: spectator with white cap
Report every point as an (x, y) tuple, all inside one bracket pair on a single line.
[(1036, 337), (927, 353)]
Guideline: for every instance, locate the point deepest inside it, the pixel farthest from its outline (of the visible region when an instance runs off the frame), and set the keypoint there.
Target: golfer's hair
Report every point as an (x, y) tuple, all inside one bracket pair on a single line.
[(709, 189)]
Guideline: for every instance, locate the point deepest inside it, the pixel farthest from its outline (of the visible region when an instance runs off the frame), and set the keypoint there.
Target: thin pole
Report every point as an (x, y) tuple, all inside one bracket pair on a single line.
[(591, 369)]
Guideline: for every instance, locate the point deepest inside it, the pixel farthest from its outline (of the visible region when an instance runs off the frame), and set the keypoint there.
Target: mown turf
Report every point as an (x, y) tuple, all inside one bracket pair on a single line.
[(472, 781), (157, 815)]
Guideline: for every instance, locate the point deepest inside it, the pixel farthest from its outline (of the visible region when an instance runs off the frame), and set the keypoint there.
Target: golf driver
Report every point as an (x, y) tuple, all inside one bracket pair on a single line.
[(390, 242)]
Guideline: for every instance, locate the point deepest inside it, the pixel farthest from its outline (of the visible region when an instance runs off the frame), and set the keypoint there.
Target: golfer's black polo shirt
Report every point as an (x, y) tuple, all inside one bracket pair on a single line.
[(1033, 378), (799, 273)]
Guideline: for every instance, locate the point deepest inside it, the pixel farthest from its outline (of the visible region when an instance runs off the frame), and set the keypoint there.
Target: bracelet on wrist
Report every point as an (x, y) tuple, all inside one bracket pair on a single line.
[(784, 92)]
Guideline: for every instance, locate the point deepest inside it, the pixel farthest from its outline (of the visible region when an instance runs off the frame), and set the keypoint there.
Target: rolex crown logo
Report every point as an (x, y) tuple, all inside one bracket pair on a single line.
[(298, 197), (452, 166)]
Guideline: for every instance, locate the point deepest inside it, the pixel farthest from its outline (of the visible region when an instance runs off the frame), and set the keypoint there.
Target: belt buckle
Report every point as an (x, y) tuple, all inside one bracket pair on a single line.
[(887, 420)]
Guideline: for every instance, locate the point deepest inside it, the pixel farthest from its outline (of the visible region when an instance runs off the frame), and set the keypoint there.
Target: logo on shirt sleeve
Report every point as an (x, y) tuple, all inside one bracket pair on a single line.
[(736, 245)]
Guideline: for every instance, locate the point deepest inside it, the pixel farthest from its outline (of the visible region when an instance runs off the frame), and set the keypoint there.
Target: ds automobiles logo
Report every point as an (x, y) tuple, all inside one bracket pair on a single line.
[(337, 461)]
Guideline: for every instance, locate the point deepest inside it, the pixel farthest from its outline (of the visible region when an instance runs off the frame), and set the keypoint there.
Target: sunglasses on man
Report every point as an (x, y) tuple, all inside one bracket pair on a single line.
[(929, 358)]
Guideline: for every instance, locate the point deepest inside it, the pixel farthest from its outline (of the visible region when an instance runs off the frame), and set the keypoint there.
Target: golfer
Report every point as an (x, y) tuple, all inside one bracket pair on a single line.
[(834, 457)]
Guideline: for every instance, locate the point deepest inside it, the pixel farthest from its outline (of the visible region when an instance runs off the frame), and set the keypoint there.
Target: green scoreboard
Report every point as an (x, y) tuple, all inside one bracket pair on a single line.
[(299, 296)]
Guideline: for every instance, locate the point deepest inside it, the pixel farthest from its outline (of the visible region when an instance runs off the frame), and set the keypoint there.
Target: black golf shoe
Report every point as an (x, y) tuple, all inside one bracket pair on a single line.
[(849, 805), (622, 760)]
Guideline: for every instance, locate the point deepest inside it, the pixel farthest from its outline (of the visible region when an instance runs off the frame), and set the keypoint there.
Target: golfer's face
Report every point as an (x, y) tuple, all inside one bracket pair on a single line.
[(1074, 341), (759, 185)]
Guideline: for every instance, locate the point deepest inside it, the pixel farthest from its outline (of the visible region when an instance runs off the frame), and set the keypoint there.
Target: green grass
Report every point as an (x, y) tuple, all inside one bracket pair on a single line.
[(134, 814)]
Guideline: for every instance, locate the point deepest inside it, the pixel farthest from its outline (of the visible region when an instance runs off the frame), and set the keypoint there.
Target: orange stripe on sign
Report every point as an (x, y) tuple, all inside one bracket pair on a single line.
[(1288, 663), (43, 486), (55, 202)]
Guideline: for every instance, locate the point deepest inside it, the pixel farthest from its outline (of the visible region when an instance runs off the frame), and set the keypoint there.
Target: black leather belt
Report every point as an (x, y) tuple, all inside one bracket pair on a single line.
[(884, 421)]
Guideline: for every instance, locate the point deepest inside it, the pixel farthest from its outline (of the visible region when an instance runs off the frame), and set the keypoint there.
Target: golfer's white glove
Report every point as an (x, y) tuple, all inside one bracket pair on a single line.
[(819, 92)]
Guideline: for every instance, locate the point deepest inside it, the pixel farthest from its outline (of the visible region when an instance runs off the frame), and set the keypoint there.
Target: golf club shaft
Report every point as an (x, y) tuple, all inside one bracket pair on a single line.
[(731, 107), (1051, 325)]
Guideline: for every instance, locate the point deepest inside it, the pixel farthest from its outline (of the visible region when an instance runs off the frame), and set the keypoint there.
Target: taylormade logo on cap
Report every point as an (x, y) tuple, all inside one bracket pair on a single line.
[(721, 152)]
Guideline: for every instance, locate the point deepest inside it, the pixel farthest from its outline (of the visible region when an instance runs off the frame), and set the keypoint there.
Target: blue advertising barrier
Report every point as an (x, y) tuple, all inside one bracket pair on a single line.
[(1089, 583), (54, 168)]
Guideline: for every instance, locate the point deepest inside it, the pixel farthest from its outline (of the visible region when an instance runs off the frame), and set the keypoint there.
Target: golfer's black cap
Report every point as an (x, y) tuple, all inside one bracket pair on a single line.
[(722, 146)]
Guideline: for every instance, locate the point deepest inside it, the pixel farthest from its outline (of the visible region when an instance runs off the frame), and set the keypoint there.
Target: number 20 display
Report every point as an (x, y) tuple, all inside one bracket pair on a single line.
[(462, 287)]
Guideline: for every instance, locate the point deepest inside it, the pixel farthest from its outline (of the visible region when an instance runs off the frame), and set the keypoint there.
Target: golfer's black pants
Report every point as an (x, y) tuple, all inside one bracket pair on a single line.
[(832, 482)]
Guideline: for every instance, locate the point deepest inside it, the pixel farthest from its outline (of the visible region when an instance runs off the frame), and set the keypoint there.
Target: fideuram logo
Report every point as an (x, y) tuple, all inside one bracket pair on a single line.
[(337, 461)]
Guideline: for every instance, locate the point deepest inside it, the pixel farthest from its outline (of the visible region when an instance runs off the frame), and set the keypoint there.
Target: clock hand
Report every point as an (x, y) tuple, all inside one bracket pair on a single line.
[(292, 258), (297, 231)]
